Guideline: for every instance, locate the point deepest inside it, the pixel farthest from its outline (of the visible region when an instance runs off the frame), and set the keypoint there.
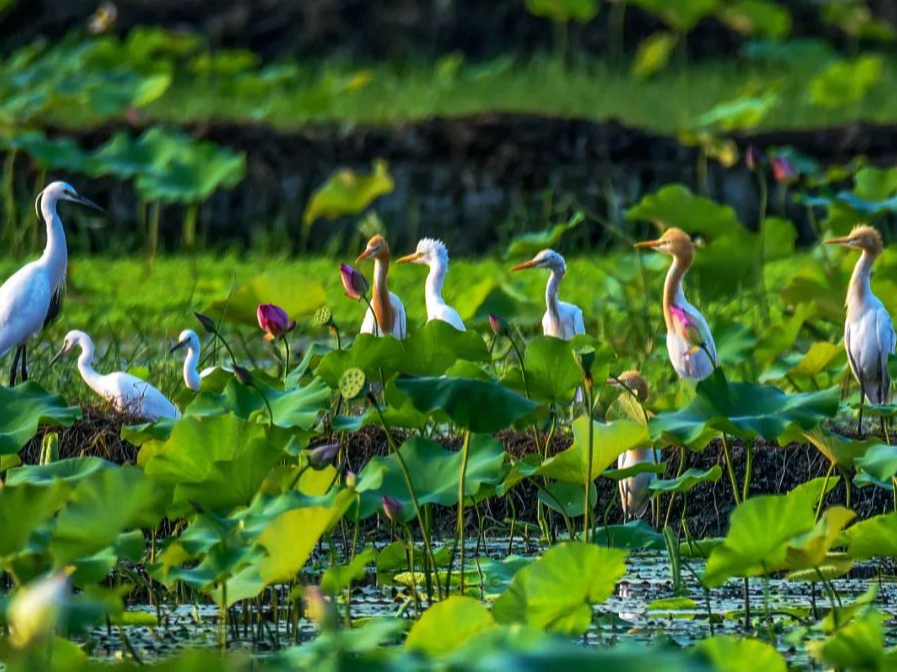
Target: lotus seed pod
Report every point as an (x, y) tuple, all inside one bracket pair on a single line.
[(323, 315), (351, 383)]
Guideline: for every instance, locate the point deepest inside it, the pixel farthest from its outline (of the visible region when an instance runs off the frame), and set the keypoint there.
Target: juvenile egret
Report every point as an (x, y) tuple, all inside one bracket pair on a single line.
[(868, 332), (689, 341), (32, 297), (634, 491), (126, 393), (561, 320), (434, 254), (192, 376), (388, 308)]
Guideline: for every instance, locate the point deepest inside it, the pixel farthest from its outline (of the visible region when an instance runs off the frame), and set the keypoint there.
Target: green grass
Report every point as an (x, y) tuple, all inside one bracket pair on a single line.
[(597, 91)]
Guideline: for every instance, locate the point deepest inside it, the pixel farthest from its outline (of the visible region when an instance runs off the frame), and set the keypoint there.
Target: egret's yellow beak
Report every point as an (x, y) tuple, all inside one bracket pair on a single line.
[(408, 258), (532, 263), (838, 241), (649, 243), (364, 255)]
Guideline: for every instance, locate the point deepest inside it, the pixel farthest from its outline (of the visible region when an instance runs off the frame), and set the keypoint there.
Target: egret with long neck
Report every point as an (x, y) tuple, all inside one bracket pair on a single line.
[(434, 254), (126, 393), (387, 313), (32, 297), (868, 331), (690, 344), (561, 320)]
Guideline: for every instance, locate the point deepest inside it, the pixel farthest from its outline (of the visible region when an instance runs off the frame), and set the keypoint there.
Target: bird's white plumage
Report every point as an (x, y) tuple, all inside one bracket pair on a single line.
[(561, 319), (126, 393), (635, 494), (399, 329), (434, 254), (869, 338), (688, 362), (192, 376)]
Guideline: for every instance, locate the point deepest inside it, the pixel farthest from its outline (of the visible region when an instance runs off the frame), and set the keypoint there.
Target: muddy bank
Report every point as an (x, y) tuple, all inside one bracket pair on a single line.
[(471, 180)]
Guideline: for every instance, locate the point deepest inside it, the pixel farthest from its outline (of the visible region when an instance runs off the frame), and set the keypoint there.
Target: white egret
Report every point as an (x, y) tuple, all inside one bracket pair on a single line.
[(32, 297), (434, 254), (387, 307), (635, 493), (689, 341), (192, 375), (561, 320), (126, 393), (868, 331)]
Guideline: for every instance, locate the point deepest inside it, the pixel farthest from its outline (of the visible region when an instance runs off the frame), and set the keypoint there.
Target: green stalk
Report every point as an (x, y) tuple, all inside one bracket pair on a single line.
[(371, 308), (286, 365), (586, 508), (730, 469), (465, 449), (761, 247), (748, 470)]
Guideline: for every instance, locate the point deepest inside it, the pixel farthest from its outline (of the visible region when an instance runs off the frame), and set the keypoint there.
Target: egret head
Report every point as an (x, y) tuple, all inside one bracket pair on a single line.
[(73, 339), (633, 381), (674, 242), (428, 252), (545, 259), (187, 339), (376, 249), (863, 237), (63, 191)]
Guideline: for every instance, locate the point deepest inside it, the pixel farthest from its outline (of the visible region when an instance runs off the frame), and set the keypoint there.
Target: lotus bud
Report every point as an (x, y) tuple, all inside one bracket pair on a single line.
[(753, 158), (393, 509), (320, 456), (783, 170), (355, 284), (351, 480), (36, 608), (585, 357), (499, 325), (319, 608), (242, 375), (273, 320), (207, 323)]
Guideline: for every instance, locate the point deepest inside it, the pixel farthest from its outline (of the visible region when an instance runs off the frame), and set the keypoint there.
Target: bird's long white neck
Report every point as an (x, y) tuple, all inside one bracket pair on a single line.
[(551, 293), (55, 255), (85, 368), (435, 281), (859, 290), (673, 294), (191, 369)]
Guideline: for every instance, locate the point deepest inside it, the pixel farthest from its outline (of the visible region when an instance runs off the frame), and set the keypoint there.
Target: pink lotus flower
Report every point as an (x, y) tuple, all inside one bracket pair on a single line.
[(498, 324), (687, 328), (753, 158), (355, 284), (783, 170), (273, 321)]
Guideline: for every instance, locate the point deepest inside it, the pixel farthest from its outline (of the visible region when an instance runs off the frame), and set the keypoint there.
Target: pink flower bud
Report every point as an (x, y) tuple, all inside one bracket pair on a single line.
[(355, 284), (393, 509), (783, 170), (753, 158), (498, 324), (273, 320), (351, 480), (207, 323), (242, 375)]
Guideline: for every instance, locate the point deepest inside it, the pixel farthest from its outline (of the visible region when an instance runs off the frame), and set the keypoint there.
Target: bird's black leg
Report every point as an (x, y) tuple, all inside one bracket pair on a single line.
[(15, 365), (24, 359)]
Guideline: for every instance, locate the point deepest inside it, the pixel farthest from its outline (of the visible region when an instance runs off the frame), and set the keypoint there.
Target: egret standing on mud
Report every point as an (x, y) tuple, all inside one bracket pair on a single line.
[(388, 314), (689, 341), (635, 493), (434, 254), (192, 377), (32, 297), (126, 393), (561, 320), (868, 331)]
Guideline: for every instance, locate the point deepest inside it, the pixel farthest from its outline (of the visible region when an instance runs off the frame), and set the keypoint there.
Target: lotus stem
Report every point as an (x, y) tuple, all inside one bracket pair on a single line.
[(286, 359), (410, 541), (666, 520), (586, 507), (748, 470), (761, 245), (465, 450), (371, 308), (730, 469)]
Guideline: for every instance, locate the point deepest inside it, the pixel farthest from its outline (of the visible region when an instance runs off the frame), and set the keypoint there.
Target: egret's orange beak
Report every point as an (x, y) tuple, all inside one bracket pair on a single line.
[(408, 258), (613, 382), (532, 263), (649, 243), (364, 255), (838, 241)]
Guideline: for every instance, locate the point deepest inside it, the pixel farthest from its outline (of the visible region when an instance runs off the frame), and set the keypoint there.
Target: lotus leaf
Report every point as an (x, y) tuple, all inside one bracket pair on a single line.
[(757, 17), (609, 441), (24, 408), (873, 538), (687, 480), (448, 625), (845, 82), (730, 654), (66, 471), (633, 536), (528, 244), (347, 193), (23, 508), (682, 15), (654, 53), (581, 11), (878, 465)]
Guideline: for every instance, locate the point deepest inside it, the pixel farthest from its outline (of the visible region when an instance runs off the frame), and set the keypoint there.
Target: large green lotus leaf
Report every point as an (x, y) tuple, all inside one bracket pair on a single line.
[(634, 535), (67, 471), (557, 591), (347, 193), (125, 157), (859, 645), (193, 174), (681, 15), (25, 407), (741, 113), (730, 654), (609, 441), (821, 357), (370, 354), (845, 82), (675, 205), (763, 18), (295, 292), (25, 507), (687, 480), (744, 409), (528, 244), (878, 465), (836, 448), (101, 507), (434, 474), (337, 578), (448, 625), (477, 405), (218, 462), (566, 498), (810, 550), (873, 538), (552, 372), (297, 407), (654, 53), (50, 153), (760, 530), (432, 350)]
